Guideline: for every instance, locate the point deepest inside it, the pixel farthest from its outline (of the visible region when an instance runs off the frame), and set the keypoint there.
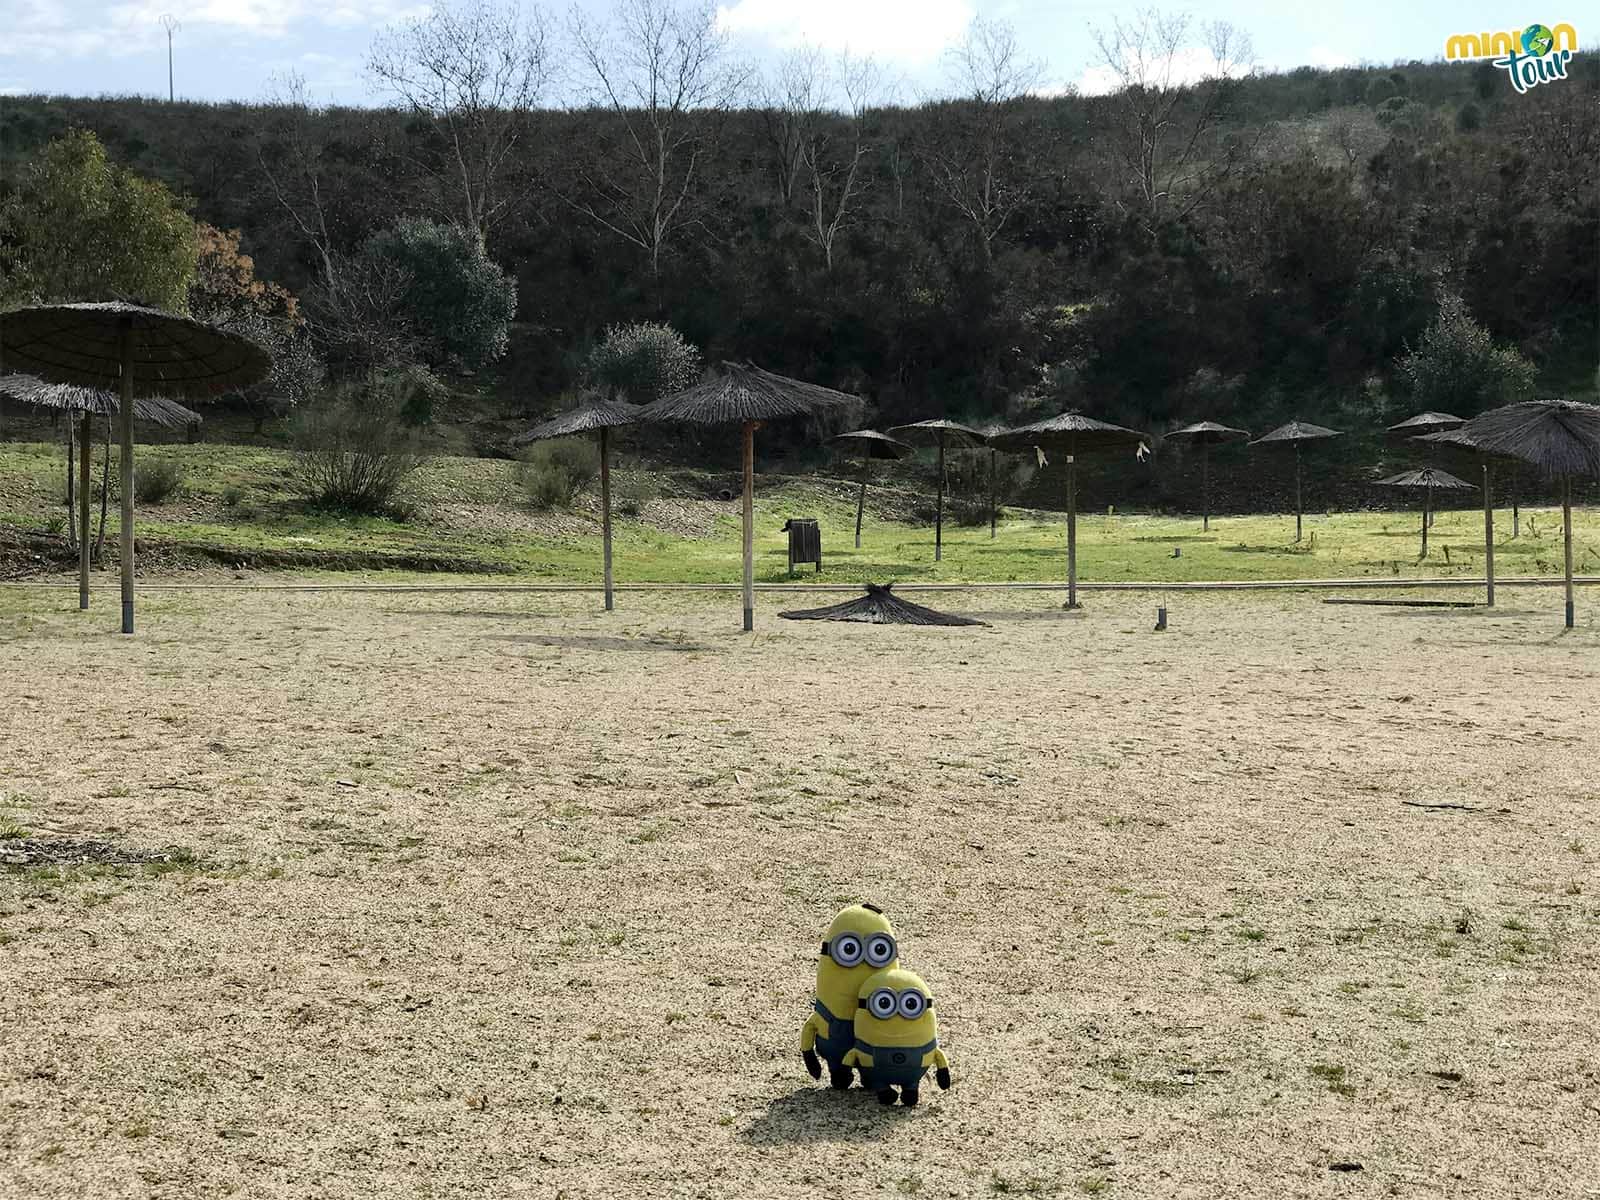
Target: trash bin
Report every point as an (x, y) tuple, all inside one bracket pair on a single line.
[(805, 542)]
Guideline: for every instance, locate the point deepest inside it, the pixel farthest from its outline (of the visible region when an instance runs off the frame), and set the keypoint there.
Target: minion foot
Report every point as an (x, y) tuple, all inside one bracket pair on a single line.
[(841, 1077), (886, 1095), (908, 1096)]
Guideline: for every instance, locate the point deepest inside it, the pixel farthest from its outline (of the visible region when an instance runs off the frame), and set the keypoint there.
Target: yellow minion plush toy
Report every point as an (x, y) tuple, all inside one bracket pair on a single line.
[(896, 1036), (859, 942)]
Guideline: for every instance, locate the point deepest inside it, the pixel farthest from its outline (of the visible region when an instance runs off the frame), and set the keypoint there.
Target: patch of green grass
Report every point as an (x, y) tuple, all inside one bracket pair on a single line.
[(1094, 1185), (240, 498), (1334, 1076)]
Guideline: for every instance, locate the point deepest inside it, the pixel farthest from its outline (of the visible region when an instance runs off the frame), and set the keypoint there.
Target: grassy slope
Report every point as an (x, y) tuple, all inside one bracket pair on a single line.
[(262, 515)]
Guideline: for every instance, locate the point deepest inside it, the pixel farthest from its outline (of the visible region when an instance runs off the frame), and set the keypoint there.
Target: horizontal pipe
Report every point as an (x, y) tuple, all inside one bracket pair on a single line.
[(1224, 585)]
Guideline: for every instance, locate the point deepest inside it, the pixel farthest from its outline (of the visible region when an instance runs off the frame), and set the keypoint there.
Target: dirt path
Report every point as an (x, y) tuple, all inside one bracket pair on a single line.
[(491, 895)]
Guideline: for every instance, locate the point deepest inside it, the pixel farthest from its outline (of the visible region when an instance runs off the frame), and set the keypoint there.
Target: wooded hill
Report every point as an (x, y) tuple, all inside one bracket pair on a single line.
[(1294, 233)]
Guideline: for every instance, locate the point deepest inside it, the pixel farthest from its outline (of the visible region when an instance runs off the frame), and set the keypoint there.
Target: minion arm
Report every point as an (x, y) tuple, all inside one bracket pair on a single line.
[(858, 1058)]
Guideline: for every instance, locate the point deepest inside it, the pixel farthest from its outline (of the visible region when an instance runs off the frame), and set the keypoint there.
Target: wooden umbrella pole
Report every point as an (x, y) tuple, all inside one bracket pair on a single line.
[(72, 479), (1298, 506), (605, 509), (1488, 536), (126, 474), (1427, 503), (938, 511), (85, 466), (861, 496), (1566, 529), (749, 526), (1072, 533), (1205, 487), (994, 509)]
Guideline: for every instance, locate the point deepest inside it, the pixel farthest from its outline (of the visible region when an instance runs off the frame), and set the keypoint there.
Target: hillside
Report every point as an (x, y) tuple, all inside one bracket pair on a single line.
[(1333, 209)]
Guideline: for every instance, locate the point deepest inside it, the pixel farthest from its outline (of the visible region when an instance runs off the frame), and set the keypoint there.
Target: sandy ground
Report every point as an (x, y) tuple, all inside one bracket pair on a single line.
[(500, 896)]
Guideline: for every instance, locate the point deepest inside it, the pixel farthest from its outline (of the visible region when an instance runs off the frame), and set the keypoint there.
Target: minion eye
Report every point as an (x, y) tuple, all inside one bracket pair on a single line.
[(882, 1004), (845, 950), (912, 1005), (880, 949)]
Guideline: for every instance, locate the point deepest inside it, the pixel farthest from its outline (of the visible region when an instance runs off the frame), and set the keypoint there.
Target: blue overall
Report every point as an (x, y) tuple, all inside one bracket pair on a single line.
[(841, 1036), (894, 1066)]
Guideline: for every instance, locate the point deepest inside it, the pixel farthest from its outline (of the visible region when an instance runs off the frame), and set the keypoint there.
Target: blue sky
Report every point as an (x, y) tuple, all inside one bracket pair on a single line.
[(230, 49)]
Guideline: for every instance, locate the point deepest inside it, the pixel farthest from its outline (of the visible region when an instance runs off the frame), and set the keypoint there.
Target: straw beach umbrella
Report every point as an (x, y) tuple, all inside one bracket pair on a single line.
[(1071, 433), (132, 349), (1457, 439), (943, 434), (1427, 479), (602, 416), (88, 403), (1294, 434), (868, 444), (1560, 437), (746, 395), (1426, 423), (1207, 434)]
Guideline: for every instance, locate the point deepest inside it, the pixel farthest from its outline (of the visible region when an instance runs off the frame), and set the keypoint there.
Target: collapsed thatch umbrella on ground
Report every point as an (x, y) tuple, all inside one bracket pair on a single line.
[(940, 433), (1426, 479), (880, 606), (868, 444), (602, 416), (746, 395), (85, 404), (1207, 434), (1560, 437), (133, 349), (1071, 433), (1293, 434)]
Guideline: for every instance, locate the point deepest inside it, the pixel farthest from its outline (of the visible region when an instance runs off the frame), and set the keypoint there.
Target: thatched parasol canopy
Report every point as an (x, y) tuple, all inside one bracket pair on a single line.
[(744, 392), (1559, 437), (172, 355), (869, 443), (133, 349), (596, 415), (880, 606), (1428, 422), (746, 395), (1072, 432), (600, 416), (67, 397), (1207, 434), (1428, 477), (1210, 433)]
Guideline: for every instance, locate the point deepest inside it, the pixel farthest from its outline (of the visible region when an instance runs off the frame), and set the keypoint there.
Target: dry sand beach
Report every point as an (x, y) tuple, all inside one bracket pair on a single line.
[(488, 895)]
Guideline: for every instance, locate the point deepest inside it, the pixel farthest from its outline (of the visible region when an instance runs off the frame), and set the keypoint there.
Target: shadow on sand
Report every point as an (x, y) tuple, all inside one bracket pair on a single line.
[(820, 1114), (596, 642)]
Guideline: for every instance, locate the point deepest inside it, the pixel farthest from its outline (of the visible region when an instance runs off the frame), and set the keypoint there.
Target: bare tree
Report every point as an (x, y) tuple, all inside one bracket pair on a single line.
[(976, 158), (833, 165), (790, 108), (1166, 113), (476, 72), (290, 150), (663, 72)]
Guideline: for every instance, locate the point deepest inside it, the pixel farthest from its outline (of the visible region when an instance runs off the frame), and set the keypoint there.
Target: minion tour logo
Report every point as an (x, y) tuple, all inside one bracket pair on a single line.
[(1531, 56)]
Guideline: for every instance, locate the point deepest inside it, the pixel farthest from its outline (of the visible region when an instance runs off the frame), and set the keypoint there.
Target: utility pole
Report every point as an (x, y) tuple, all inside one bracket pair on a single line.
[(171, 24)]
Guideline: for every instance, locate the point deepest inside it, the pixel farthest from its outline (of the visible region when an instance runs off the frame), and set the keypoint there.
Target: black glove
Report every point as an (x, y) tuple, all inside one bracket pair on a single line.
[(942, 1078), (812, 1064)]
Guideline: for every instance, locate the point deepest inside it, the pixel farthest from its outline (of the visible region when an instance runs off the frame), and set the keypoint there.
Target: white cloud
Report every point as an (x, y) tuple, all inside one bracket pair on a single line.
[(907, 32)]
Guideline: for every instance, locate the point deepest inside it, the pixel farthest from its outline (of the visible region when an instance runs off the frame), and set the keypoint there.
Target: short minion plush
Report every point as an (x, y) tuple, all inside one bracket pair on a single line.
[(896, 1036), (859, 942)]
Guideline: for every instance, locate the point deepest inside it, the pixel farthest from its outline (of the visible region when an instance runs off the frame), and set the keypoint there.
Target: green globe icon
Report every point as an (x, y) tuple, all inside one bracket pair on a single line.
[(1537, 40)]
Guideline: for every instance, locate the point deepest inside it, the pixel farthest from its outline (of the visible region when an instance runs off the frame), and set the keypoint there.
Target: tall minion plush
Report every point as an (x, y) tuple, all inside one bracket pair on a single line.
[(859, 942), (896, 1036)]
